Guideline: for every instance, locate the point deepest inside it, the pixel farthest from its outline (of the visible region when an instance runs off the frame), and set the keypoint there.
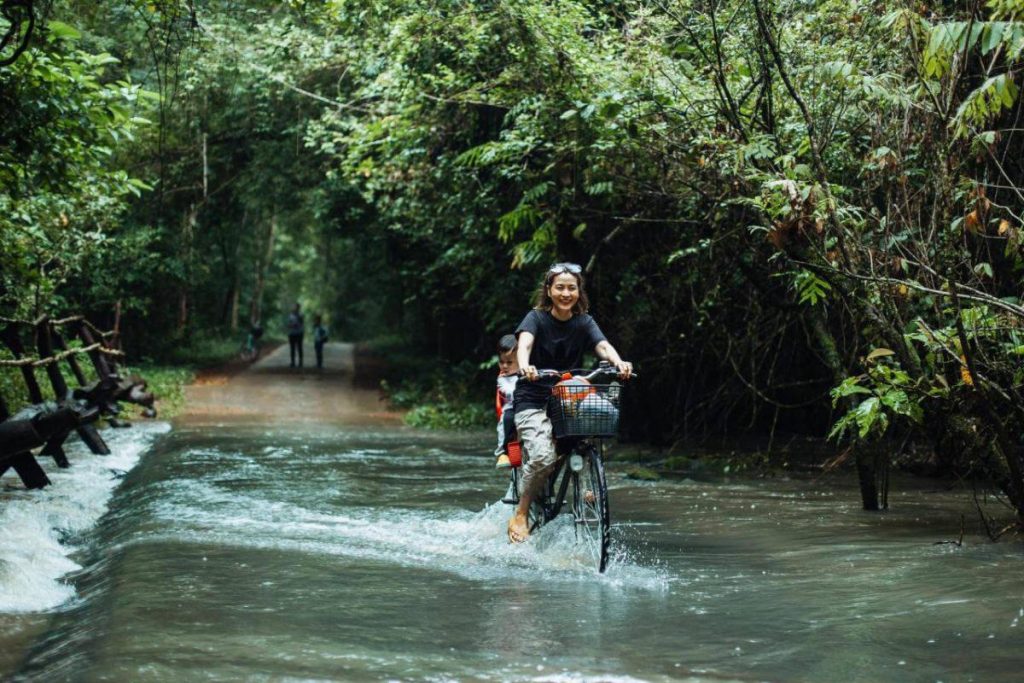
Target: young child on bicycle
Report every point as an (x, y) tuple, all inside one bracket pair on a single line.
[(508, 374)]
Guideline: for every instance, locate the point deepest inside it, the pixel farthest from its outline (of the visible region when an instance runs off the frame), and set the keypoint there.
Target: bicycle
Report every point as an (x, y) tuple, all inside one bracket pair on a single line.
[(250, 350), (584, 410)]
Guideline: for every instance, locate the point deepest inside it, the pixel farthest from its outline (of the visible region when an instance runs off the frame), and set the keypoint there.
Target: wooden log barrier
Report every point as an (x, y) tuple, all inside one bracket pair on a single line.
[(100, 393), (111, 387), (133, 389), (76, 369), (33, 426), (54, 447), (32, 475), (86, 415), (47, 423)]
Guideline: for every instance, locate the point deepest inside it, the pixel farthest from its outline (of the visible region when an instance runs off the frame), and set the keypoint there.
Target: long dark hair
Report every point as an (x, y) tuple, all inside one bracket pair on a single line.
[(543, 301)]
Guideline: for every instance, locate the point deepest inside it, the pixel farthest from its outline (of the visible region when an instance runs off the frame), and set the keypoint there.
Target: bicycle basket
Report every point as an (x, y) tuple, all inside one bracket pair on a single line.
[(584, 409)]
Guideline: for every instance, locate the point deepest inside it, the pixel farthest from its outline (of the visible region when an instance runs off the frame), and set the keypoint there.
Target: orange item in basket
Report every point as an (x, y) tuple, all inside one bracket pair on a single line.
[(573, 390)]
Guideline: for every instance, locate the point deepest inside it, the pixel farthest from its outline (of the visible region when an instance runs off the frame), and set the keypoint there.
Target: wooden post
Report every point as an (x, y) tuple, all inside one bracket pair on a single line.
[(99, 361), (87, 432), (104, 373), (54, 447), (76, 369), (44, 344), (13, 342), (32, 475)]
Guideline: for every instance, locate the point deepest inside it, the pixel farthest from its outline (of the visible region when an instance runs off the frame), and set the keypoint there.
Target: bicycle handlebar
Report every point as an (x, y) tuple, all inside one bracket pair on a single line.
[(603, 369)]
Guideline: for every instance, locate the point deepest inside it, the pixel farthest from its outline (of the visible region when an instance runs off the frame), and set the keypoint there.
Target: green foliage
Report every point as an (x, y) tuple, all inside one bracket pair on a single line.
[(454, 400), (886, 387), (460, 396), (168, 385), (12, 391), (987, 101), (761, 201), (204, 351), (447, 415), (60, 195), (810, 288)]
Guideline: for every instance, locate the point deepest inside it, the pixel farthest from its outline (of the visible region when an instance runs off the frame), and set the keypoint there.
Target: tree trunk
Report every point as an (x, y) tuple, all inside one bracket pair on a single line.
[(115, 341), (867, 476), (256, 309), (867, 470), (187, 231), (182, 311), (234, 306)]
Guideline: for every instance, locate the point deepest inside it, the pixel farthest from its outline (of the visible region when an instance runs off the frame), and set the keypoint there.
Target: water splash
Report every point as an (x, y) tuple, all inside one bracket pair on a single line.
[(38, 529), (473, 545)]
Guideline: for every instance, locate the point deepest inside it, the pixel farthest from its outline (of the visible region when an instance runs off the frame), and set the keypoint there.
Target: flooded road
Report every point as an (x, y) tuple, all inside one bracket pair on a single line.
[(356, 549)]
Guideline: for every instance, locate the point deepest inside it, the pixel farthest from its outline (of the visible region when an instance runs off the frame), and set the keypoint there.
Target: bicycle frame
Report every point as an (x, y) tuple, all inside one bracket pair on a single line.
[(582, 430), (552, 502)]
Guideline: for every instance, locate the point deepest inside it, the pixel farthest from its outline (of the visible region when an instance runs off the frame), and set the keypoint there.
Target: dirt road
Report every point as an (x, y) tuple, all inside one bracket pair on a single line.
[(271, 390)]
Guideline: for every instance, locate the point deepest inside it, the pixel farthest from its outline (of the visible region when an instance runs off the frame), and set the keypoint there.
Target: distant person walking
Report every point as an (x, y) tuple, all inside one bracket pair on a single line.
[(319, 339), (296, 328)]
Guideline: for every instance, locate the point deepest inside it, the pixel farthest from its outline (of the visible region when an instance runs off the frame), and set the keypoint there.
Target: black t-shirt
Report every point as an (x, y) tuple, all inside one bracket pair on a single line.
[(557, 345)]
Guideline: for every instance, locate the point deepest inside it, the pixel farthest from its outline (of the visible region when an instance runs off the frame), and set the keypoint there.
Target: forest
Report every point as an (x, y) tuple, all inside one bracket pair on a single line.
[(795, 217)]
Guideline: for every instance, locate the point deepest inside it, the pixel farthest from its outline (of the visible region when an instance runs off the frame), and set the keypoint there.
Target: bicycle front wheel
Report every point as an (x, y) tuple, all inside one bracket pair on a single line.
[(590, 509)]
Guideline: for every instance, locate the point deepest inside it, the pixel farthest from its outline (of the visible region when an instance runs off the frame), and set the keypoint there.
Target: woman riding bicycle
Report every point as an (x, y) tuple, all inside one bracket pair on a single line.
[(554, 335)]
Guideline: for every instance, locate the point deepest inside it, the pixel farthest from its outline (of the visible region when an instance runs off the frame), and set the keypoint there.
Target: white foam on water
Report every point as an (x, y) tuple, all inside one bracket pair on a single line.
[(472, 545), (587, 678), (38, 528)]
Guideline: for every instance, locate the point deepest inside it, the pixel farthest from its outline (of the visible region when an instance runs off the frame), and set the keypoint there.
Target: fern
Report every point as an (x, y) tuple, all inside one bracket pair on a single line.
[(600, 188), (494, 152), (524, 215), (984, 103), (810, 288), (536, 192)]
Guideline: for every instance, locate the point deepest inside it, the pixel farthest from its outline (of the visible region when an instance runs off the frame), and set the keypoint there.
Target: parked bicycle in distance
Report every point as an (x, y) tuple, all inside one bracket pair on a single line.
[(584, 411), (251, 347)]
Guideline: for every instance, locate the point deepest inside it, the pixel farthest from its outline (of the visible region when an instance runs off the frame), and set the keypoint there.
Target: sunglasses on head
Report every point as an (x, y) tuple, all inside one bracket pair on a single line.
[(558, 268)]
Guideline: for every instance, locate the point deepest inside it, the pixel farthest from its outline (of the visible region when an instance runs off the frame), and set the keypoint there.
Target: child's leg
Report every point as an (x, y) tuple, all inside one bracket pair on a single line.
[(499, 452), (501, 440)]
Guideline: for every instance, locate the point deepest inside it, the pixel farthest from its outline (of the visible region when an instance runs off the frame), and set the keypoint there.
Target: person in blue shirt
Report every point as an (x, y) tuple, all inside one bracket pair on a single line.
[(319, 339)]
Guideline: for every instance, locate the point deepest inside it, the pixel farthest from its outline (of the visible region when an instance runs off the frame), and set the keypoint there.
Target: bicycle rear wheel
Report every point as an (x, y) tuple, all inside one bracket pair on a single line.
[(590, 508)]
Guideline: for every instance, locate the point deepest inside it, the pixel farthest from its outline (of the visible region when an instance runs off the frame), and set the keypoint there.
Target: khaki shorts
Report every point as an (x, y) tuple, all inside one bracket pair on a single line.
[(538, 441)]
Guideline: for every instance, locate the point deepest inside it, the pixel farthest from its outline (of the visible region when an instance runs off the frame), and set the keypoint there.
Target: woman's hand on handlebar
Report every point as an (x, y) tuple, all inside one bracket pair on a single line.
[(529, 372), (625, 369)]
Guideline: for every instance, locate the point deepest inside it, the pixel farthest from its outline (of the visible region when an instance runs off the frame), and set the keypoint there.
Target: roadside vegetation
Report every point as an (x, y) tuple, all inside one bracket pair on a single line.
[(797, 218)]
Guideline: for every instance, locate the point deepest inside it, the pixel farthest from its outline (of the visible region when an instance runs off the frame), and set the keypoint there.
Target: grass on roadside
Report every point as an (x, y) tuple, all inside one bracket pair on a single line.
[(167, 382), (436, 394), (167, 377)]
